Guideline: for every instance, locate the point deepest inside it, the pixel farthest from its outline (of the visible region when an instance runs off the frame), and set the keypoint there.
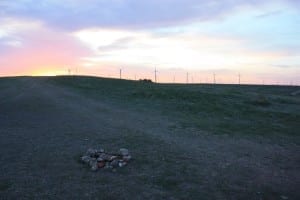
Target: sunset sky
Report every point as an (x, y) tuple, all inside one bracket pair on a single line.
[(258, 39)]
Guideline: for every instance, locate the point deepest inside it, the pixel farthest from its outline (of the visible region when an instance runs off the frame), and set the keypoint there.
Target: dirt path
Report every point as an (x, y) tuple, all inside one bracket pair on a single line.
[(44, 129)]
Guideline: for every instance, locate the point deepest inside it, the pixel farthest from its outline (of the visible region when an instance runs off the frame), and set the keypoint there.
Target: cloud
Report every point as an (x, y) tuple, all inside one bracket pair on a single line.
[(55, 34), (121, 43), (9, 43), (269, 14), (77, 14), (39, 49), (189, 51), (286, 66)]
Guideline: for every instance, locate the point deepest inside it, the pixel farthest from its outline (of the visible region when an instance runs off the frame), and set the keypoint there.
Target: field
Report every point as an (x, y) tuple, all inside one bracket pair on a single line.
[(196, 141)]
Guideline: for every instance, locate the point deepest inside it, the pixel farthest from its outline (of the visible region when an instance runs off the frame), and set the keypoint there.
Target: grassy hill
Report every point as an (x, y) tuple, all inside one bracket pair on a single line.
[(217, 109), (188, 141)]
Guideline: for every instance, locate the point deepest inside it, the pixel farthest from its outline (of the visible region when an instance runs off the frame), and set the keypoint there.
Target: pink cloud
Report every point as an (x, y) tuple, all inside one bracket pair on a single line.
[(40, 50)]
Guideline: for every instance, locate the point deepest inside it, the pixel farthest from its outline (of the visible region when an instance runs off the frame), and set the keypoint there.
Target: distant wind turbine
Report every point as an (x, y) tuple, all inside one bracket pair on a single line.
[(187, 77), (155, 75), (214, 78), (120, 73)]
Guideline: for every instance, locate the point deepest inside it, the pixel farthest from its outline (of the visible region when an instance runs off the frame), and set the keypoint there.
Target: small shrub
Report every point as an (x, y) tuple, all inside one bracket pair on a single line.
[(146, 80)]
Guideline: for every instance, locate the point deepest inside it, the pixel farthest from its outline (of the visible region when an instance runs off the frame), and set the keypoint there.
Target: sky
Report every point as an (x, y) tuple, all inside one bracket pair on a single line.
[(194, 41)]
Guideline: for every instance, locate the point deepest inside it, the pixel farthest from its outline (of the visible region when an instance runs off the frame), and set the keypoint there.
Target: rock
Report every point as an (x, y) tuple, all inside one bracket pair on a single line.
[(104, 156), (114, 163), (85, 159), (127, 158), (101, 164), (91, 152), (92, 162), (113, 158), (124, 152), (99, 159), (107, 165), (94, 167), (122, 164)]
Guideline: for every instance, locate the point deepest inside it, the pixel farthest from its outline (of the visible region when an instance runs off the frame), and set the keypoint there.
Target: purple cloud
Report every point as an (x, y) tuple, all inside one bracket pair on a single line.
[(76, 14)]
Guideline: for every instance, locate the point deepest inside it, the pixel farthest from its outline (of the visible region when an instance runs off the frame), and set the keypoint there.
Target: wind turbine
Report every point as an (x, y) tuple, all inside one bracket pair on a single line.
[(120, 73), (214, 78), (155, 75), (187, 77)]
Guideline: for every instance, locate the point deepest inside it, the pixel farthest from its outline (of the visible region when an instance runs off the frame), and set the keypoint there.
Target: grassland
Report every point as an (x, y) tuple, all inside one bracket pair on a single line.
[(188, 141), (217, 109)]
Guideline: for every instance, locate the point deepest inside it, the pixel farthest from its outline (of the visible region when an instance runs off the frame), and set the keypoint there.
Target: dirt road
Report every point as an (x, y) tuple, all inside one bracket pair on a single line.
[(45, 128)]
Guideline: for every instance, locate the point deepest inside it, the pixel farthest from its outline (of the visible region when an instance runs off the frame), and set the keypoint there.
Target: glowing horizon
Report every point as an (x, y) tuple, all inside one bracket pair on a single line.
[(259, 41)]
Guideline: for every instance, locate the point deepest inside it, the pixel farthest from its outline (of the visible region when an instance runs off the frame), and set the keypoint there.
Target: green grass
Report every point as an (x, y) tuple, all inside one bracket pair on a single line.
[(195, 141), (218, 109)]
